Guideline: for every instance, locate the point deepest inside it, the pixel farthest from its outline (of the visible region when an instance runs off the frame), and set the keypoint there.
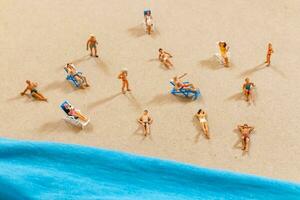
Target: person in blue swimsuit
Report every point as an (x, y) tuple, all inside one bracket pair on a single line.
[(247, 88)]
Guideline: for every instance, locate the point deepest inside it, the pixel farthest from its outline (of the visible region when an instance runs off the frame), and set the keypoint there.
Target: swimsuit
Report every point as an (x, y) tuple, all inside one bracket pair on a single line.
[(33, 91), (202, 119)]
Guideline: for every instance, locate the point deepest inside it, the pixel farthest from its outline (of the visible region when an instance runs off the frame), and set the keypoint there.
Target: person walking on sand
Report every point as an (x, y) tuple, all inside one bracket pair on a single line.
[(179, 84), (145, 120), (269, 53), (247, 89), (201, 115), (245, 132), (164, 57), (91, 43), (31, 86), (223, 51), (123, 76)]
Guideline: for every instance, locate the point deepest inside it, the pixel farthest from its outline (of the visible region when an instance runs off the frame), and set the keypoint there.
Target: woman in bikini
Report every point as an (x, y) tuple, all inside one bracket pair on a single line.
[(179, 84), (148, 21), (247, 88), (70, 68), (164, 57), (92, 42), (201, 115), (31, 86), (71, 111), (123, 76), (145, 120), (269, 53), (223, 51)]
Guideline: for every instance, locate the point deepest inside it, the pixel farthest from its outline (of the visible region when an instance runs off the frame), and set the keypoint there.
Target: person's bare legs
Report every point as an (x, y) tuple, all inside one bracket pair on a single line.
[(146, 129), (268, 61), (205, 125), (39, 97), (80, 116), (246, 144), (226, 62), (148, 29), (95, 49)]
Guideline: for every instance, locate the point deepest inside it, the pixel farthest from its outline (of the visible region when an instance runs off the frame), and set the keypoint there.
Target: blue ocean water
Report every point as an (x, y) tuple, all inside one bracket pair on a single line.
[(50, 171)]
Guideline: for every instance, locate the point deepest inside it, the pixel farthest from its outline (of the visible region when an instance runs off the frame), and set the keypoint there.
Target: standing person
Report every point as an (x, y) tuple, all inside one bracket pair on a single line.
[(148, 21), (145, 120), (201, 115), (223, 51), (31, 86), (123, 76), (247, 88), (91, 43), (164, 57), (269, 53), (245, 131)]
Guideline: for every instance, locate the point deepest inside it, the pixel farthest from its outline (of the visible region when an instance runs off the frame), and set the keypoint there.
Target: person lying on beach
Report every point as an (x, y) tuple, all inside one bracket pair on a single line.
[(201, 115), (91, 43), (180, 85), (123, 76), (71, 111), (145, 120), (164, 57), (223, 51), (148, 21), (70, 68), (269, 53), (31, 86), (247, 89), (245, 132)]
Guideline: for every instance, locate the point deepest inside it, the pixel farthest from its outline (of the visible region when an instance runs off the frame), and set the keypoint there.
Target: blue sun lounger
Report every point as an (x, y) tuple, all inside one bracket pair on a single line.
[(73, 80), (72, 119), (187, 93)]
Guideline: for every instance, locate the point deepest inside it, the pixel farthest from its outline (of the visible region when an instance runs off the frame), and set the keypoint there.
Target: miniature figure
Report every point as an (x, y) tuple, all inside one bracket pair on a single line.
[(164, 57), (74, 116), (75, 77), (201, 115), (148, 21), (182, 85), (145, 120), (245, 131), (247, 88), (223, 51), (91, 43), (269, 53), (123, 76), (31, 86)]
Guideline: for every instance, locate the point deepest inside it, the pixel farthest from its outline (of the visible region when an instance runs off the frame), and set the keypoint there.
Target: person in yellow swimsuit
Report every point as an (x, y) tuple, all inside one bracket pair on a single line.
[(223, 50)]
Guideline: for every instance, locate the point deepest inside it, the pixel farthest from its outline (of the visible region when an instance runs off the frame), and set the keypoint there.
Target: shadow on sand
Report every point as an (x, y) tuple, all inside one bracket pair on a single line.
[(253, 70), (136, 104), (137, 31), (161, 99), (102, 65), (211, 63), (76, 61), (102, 101)]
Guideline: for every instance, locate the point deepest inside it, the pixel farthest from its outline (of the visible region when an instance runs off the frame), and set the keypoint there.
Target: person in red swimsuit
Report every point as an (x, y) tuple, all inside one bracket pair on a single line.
[(269, 53), (179, 84)]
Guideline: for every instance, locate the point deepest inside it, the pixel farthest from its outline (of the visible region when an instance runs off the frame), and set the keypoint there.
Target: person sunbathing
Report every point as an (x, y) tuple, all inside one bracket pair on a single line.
[(180, 85), (31, 86), (70, 68), (247, 88), (145, 120), (71, 111), (148, 21), (223, 51), (245, 131), (164, 57), (201, 115)]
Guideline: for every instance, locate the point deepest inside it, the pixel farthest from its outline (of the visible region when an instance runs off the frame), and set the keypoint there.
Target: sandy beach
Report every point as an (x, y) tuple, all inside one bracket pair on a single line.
[(39, 37)]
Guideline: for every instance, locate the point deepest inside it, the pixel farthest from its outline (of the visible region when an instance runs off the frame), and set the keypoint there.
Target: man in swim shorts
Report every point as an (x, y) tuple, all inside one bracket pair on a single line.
[(245, 131), (91, 43), (145, 120), (180, 85), (31, 86), (70, 68)]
